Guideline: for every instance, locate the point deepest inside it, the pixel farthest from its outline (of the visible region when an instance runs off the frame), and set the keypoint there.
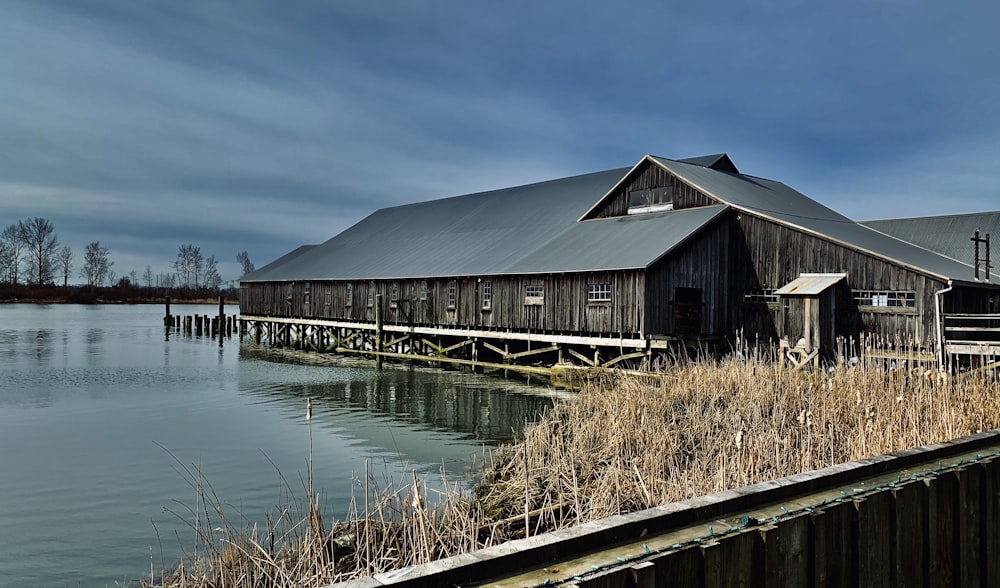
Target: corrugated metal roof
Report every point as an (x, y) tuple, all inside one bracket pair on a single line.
[(534, 229), (809, 284), (525, 229), (781, 203), (949, 235)]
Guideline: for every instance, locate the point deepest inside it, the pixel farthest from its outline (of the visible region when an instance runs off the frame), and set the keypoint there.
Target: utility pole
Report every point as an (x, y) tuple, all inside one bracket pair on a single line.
[(985, 240)]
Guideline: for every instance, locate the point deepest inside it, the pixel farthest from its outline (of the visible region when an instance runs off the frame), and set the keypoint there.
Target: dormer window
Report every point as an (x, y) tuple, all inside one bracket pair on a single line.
[(651, 200)]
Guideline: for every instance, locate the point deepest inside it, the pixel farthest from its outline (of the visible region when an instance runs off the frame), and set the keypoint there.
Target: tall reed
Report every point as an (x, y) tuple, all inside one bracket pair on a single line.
[(623, 443)]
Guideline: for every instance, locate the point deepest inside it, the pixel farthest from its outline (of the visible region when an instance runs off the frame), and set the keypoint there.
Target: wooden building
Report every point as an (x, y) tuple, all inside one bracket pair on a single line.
[(609, 267)]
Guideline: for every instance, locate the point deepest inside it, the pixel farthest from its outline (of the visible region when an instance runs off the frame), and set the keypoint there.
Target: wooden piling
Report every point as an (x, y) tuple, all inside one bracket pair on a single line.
[(166, 317), (786, 552), (910, 544), (222, 319), (835, 560), (875, 526)]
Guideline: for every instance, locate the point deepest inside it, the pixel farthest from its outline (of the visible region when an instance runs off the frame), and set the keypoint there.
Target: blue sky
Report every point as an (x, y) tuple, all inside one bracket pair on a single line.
[(245, 124)]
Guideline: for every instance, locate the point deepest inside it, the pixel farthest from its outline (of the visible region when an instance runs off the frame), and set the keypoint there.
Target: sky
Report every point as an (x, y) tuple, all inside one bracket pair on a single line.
[(263, 125)]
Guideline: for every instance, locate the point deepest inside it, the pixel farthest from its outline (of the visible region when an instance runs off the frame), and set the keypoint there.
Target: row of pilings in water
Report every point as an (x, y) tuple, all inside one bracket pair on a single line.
[(217, 327)]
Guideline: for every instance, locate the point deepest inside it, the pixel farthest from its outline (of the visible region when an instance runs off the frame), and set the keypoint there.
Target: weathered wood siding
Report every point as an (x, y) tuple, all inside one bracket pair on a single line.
[(703, 263), (564, 307), (647, 176), (777, 254)]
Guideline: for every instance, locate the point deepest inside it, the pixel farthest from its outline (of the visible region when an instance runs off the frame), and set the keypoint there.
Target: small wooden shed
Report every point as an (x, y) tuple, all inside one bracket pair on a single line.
[(809, 310)]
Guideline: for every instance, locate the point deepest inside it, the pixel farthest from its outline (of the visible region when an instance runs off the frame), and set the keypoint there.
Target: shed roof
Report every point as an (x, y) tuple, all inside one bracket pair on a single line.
[(949, 235), (809, 284)]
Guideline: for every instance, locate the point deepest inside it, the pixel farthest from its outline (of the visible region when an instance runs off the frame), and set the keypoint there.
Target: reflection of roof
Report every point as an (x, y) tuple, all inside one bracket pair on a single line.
[(526, 229), (949, 235), (809, 284)]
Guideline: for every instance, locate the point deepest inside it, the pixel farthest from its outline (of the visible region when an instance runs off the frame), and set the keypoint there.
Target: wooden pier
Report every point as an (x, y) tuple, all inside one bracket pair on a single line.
[(549, 353)]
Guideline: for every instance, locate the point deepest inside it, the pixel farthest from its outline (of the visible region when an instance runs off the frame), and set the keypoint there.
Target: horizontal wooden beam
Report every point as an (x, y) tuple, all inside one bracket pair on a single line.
[(623, 358), (636, 343), (531, 352), (972, 348)]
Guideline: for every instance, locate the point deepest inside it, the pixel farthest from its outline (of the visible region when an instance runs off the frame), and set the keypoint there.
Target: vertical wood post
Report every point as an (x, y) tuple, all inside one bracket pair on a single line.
[(786, 553), (378, 322), (835, 560), (684, 568), (222, 319), (734, 561), (991, 520), (911, 545), (942, 526), (875, 530), (166, 317)]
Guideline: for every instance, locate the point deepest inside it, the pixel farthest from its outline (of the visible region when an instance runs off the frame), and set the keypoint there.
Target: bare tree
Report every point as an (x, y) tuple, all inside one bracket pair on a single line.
[(189, 265), (147, 276), (39, 237), (197, 266), (212, 278), (65, 259), (244, 259), (11, 246), (97, 264)]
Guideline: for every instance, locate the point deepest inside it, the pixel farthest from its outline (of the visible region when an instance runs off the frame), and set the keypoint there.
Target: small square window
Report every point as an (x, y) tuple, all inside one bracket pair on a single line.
[(598, 292), (534, 294), (394, 296), (423, 290)]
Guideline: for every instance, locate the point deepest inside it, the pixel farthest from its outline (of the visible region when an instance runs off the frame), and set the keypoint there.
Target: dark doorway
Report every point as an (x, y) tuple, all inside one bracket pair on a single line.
[(687, 311)]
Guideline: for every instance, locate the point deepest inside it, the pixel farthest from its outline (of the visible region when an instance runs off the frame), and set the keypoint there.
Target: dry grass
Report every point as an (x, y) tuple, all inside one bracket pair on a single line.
[(622, 444)]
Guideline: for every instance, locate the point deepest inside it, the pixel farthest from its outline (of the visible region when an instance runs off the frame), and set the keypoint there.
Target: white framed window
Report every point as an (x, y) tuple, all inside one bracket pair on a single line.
[(760, 295), (651, 200), (897, 299), (534, 294), (423, 290), (349, 294), (598, 292), (452, 294), (487, 295), (394, 296), (371, 294)]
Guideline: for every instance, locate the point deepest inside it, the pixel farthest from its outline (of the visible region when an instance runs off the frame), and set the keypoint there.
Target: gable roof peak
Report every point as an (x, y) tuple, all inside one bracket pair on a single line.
[(716, 161)]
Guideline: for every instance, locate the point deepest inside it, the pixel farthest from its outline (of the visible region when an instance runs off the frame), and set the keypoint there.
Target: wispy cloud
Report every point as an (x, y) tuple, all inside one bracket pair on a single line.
[(259, 125)]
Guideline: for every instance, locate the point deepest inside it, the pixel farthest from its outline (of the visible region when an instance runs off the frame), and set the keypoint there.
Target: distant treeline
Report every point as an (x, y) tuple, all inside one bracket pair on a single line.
[(121, 293), (30, 254)]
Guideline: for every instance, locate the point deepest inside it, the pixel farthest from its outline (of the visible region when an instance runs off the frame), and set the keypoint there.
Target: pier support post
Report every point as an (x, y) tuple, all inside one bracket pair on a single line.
[(222, 319), (167, 321), (378, 330)]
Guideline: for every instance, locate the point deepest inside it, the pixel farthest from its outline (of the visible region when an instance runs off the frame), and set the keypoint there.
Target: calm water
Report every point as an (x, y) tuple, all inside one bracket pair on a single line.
[(99, 414)]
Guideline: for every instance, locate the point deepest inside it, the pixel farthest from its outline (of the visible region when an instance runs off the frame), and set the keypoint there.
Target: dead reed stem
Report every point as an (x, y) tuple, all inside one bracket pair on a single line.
[(620, 445)]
